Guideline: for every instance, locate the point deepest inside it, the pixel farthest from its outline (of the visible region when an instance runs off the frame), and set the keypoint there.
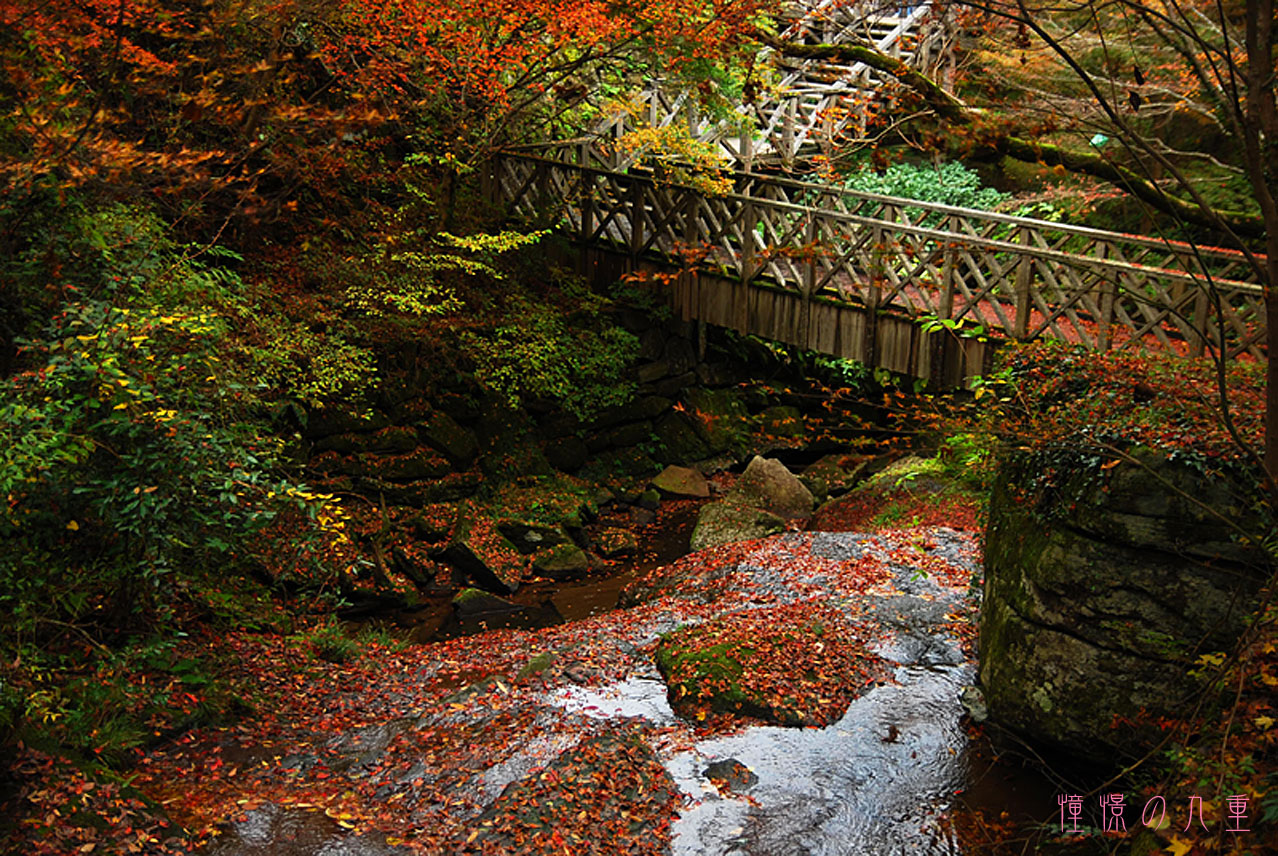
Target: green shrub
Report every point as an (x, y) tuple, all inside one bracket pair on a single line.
[(950, 183), (537, 354)]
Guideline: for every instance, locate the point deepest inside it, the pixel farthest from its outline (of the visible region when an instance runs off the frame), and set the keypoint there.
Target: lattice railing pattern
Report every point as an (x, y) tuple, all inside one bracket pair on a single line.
[(1018, 277)]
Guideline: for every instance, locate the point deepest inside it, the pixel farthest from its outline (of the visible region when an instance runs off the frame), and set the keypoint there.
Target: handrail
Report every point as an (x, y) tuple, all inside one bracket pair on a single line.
[(948, 210)]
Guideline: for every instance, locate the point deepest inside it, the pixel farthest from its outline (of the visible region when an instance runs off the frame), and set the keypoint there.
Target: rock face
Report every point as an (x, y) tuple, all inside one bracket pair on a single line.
[(1102, 588)]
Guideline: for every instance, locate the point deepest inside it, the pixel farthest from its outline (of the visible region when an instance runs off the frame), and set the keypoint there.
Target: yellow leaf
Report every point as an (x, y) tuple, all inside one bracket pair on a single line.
[(1265, 722), (1179, 846), (120, 406), (73, 526), (1269, 680)]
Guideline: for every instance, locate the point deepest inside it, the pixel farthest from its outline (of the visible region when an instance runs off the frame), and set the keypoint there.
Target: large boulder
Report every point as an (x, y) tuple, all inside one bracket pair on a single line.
[(681, 483), (1104, 584), (479, 550), (768, 485), (798, 664), (726, 522), (443, 432)]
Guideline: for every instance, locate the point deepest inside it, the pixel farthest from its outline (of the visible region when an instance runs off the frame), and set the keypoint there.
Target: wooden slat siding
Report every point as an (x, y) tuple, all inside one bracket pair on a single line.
[(869, 248)]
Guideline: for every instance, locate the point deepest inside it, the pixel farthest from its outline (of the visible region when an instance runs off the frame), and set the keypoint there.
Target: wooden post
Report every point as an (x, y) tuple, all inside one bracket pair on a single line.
[(875, 293), (636, 221), (1024, 278), (747, 149), (587, 205), (750, 223), (809, 287), (944, 310), (542, 183), (487, 180), (1104, 335)]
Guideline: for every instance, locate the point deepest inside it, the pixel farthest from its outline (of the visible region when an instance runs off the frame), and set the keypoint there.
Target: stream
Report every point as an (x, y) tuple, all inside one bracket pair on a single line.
[(886, 777)]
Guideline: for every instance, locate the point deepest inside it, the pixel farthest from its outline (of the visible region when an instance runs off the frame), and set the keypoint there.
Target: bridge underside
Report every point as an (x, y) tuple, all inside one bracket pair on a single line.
[(823, 324)]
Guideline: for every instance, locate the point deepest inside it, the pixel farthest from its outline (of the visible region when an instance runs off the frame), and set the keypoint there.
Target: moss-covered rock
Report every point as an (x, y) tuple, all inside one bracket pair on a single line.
[(470, 602), (613, 542), (1097, 606), (392, 438), (546, 503), (719, 416), (678, 441), (798, 664), (479, 550), (727, 521), (443, 432), (681, 483), (562, 562), (782, 421)]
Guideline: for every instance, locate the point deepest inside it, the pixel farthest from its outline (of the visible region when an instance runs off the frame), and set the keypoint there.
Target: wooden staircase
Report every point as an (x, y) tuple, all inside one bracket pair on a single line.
[(815, 103)]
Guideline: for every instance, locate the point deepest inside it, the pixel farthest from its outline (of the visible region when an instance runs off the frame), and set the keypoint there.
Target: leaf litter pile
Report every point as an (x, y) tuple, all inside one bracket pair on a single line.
[(459, 746)]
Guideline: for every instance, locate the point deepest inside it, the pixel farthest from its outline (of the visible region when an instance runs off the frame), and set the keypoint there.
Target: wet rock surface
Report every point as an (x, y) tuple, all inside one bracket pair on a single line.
[(554, 735)]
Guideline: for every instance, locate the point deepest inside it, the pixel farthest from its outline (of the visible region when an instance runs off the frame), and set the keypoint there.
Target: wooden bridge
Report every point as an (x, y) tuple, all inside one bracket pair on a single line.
[(921, 289)]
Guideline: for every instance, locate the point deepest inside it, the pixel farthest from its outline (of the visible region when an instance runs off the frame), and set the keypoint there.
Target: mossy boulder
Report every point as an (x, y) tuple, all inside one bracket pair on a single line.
[(566, 454), (782, 420), (719, 416), (392, 438), (479, 550), (678, 441), (727, 521), (613, 542), (562, 562), (324, 423), (442, 431), (799, 664), (546, 503), (471, 602), (447, 488), (1104, 583), (838, 473)]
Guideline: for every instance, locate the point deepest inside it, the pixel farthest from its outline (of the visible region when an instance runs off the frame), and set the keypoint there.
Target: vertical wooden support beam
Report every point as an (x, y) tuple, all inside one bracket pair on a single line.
[(691, 235), (747, 148), (586, 203), (636, 221), (944, 311), (809, 286), (874, 294), (749, 225), (1024, 279), (542, 183), (1109, 296)]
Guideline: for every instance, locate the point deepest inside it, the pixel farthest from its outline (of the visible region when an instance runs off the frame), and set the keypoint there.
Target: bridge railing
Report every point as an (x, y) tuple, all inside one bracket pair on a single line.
[(1016, 277)]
